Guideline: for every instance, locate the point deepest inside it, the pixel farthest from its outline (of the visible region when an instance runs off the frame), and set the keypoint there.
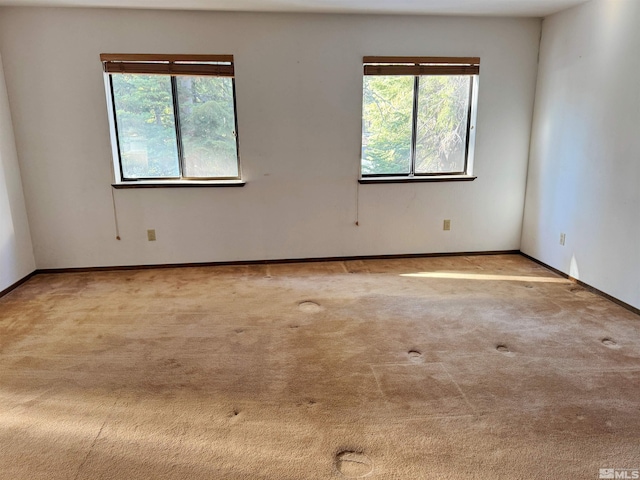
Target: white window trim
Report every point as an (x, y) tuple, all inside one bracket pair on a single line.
[(119, 182), (430, 177)]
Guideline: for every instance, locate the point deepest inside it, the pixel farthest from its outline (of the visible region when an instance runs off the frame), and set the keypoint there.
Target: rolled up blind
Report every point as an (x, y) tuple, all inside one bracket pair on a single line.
[(421, 65), (151, 64)]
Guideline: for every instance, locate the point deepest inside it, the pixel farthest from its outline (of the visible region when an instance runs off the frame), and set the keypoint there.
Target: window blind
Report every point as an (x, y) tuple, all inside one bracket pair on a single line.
[(151, 64), (421, 65)]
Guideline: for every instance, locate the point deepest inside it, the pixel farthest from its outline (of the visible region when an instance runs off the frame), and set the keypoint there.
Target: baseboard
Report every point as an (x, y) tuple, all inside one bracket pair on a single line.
[(584, 285), (17, 284), (276, 261)]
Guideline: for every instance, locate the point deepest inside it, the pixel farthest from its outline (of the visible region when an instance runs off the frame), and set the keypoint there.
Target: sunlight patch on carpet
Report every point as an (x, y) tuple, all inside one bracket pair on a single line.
[(478, 276)]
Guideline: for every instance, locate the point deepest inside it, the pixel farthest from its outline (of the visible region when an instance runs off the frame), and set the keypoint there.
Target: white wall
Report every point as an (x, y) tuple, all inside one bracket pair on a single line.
[(16, 252), (584, 173), (299, 88)]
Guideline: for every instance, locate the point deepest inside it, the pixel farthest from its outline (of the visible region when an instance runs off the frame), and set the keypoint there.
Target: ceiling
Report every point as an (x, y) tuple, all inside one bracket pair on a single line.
[(524, 8)]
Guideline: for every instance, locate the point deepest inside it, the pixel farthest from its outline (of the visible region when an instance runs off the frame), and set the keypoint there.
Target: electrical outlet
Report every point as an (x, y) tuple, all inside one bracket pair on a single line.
[(151, 235), (562, 238), (446, 225)]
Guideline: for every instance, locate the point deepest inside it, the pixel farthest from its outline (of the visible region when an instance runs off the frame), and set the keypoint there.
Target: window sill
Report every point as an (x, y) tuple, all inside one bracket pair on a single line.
[(179, 184), (412, 179)]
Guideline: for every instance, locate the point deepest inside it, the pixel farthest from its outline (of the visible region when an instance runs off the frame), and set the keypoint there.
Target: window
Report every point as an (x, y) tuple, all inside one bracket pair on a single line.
[(173, 117), (418, 116)]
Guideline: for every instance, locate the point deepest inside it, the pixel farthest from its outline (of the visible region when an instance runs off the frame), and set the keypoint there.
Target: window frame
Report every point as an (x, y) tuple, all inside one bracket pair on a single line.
[(417, 67), (172, 66)]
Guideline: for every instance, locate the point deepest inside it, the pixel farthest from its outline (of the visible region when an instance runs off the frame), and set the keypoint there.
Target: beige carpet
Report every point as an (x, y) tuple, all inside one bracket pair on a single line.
[(479, 367)]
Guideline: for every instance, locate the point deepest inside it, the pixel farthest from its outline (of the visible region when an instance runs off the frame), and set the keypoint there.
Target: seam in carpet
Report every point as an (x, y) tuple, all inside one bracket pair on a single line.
[(84, 461)]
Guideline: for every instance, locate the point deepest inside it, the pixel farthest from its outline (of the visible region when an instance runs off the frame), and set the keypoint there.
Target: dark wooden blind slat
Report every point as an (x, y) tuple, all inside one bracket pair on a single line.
[(421, 69), (455, 60), (169, 69), (150, 64), (153, 57), (421, 65)]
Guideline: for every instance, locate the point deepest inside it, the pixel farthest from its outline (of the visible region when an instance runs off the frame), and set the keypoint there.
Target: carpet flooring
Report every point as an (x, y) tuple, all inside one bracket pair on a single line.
[(477, 367)]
